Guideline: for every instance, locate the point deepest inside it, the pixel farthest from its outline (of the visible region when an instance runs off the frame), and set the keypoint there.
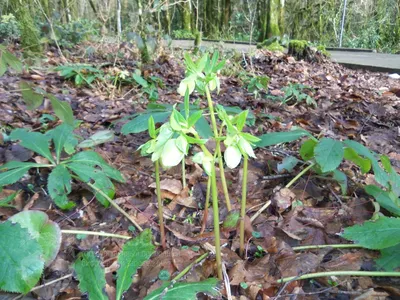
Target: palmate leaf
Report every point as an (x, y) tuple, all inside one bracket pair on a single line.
[(187, 291), (274, 138), (390, 258), (21, 262), (15, 171), (380, 234), (45, 231), (59, 186), (34, 141), (133, 255), (96, 177), (90, 275), (328, 154)]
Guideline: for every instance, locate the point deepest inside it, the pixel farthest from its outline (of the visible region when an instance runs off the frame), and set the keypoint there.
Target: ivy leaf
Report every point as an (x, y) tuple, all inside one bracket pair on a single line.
[(133, 255), (31, 98), (274, 138), (62, 110), (385, 199), (328, 154), (21, 256), (380, 234), (59, 186), (34, 141), (187, 291), (90, 275), (390, 258), (45, 231)]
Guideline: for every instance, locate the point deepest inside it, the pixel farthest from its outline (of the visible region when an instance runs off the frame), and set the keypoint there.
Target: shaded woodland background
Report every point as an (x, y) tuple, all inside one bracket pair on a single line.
[(373, 24)]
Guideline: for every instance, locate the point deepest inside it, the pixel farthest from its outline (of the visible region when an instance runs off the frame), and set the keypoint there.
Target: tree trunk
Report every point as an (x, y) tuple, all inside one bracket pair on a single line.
[(227, 14), (186, 16), (30, 37), (271, 22), (119, 27)]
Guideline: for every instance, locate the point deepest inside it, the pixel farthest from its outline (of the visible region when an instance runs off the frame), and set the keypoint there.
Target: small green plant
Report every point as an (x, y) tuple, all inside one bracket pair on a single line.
[(85, 166), (295, 93), (149, 86), (8, 60), (9, 28), (182, 34), (81, 74), (257, 84)]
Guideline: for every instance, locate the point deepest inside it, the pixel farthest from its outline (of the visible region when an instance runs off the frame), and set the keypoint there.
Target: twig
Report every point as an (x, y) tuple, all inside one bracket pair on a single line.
[(111, 235), (265, 206), (337, 246)]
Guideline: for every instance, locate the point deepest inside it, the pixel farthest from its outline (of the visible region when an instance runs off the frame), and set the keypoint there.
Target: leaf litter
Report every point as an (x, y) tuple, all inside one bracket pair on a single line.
[(353, 104)]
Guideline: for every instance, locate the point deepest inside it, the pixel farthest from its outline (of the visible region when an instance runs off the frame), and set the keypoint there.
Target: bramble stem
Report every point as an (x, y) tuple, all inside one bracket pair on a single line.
[(160, 205), (218, 149), (299, 175), (115, 205), (340, 273), (243, 206), (106, 234), (337, 246), (214, 194)]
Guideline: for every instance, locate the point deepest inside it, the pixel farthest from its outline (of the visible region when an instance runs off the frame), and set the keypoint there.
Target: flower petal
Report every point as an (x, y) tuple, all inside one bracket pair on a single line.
[(232, 156)]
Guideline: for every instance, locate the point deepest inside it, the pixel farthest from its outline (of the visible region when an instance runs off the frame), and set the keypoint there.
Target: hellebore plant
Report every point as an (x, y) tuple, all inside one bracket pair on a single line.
[(170, 143)]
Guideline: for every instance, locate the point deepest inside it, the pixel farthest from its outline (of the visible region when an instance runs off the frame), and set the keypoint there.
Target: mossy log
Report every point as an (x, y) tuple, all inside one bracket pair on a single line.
[(301, 49)]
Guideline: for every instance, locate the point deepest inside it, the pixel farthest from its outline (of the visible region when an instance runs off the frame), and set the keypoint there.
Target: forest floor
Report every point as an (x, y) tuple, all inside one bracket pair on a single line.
[(359, 105)]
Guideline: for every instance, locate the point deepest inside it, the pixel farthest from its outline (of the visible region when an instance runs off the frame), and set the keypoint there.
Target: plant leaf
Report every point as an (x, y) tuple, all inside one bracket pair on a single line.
[(98, 138), (275, 138), (62, 110), (363, 163), (45, 231), (341, 178), (203, 128), (390, 258), (140, 123), (328, 154), (307, 149), (34, 141), (288, 164), (15, 171), (59, 186), (187, 291), (90, 275), (380, 234), (31, 98), (61, 135), (384, 199), (21, 256), (134, 253), (7, 200)]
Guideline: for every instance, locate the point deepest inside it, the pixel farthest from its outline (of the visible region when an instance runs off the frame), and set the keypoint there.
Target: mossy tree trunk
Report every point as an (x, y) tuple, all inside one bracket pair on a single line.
[(30, 37), (271, 18), (186, 16), (227, 14)]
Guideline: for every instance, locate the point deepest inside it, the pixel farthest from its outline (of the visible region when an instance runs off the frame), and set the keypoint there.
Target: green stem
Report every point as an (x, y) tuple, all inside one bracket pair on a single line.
[(111, 235), (160, 205), (205, 216), (115, 205), (183, 173), (214, 194), (337, 246), (299, 175), (340, 273), (243, 206), (187, 269), (218, 149)]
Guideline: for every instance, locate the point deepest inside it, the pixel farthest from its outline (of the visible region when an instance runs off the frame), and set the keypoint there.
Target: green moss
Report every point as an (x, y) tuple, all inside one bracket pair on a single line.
[(298, 45), (322, 49), (275, 47)]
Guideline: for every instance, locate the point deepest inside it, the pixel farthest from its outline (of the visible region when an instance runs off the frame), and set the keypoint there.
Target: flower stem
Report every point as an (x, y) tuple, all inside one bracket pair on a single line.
[(218, 149), (337, 246), (340, 273), (243, 206), (216, 221), (183, 173), (111, 235), (205, 216), (299, 175), (187, 269), (115, 205), (160, 204)]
